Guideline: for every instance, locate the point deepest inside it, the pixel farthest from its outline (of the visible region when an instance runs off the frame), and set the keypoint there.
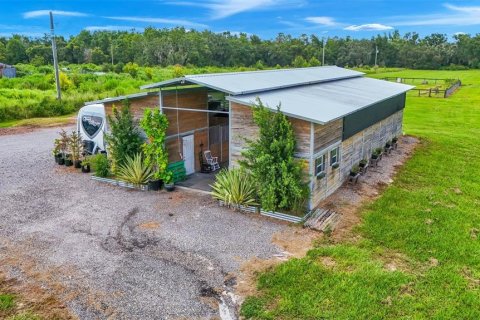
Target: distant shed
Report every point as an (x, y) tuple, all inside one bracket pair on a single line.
[(7, 71)]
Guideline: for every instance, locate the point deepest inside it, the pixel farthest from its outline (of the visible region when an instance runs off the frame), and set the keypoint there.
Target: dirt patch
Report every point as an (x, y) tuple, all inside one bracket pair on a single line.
[(31, 128), (294, 243), (47, 290), (32, 299), (150, 225), (348, 200)]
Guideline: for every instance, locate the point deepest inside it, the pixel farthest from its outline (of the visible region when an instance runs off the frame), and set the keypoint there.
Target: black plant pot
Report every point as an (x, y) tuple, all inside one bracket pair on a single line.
[(362, 165), (169, 187), (57, 157), (353, 174), (77, 164), (375, 156), (68, 162), (86, 168), (155, 185), (61, 161)]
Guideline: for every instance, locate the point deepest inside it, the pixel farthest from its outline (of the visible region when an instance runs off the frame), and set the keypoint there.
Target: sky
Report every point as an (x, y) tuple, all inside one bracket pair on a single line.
[(265, 18)]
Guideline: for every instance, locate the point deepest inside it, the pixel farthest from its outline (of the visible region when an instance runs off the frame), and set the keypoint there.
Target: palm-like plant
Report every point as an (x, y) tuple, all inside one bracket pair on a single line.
[(134, 170), (235, 187)]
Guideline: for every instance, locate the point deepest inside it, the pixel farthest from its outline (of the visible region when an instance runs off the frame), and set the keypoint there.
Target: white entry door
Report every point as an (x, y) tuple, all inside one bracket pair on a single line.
[(189, 154)]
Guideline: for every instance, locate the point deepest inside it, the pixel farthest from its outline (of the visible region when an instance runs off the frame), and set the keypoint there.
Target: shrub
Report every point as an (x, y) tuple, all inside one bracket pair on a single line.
[(270, 159), (155, 125), (235, 187), (124, 140), (99, 163), (135, 170)]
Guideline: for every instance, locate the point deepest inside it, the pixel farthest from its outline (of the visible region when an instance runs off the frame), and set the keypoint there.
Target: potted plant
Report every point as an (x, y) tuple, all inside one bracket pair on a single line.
[(155, 124), (155, 184), (377, 153), (363, 163), (57, 153), (168, 179), (388, 144), (395, 140), (86, 165), (68, 160), (62, 145), (76, 146), (354, 171)]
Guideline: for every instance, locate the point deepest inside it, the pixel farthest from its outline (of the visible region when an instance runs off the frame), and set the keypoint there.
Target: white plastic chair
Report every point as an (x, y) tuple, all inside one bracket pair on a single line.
[(212, 161)]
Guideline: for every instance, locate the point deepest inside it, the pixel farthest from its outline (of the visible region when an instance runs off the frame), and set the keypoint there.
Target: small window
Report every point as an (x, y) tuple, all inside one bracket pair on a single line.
[(335, 156), (320, 164)]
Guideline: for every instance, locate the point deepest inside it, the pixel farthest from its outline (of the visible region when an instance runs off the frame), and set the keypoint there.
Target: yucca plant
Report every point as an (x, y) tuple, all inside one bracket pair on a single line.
[(235, 187), (134, 170)]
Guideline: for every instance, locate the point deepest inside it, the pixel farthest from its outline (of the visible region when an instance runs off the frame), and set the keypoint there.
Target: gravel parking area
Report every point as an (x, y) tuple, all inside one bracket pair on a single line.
[(116, 253)]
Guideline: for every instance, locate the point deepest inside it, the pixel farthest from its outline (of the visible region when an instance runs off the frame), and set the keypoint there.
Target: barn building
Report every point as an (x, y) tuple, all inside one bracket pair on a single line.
[(339, 116)]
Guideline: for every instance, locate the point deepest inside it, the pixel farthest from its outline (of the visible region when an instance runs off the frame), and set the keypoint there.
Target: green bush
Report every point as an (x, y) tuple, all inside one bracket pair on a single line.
[(135, 170), (124, 140), (155, 125), (235, 187), (272, 156), (99, 164)]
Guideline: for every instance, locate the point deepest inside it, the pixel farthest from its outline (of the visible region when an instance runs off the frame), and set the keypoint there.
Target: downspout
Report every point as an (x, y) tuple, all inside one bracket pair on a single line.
[(312, 166)]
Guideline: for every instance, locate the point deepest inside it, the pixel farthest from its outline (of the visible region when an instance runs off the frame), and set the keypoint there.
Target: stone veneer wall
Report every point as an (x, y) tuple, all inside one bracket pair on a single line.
[(352, 151)]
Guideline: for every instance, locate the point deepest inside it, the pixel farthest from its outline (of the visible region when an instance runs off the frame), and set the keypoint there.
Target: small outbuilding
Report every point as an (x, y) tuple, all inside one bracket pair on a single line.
[(339, 117), (7, 71)]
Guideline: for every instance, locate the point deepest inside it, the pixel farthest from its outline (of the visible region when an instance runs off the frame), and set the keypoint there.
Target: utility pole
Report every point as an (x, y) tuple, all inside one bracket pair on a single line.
[(111, 44), (55, 59), (376, 55), (323, 52)]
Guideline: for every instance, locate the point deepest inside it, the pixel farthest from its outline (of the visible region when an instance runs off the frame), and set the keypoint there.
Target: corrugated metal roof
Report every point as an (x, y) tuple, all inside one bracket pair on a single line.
[(236, 83), (325, 102), (120, 98)]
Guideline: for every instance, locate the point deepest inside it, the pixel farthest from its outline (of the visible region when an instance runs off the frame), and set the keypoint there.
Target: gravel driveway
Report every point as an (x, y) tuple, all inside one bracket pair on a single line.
[(113, 252)]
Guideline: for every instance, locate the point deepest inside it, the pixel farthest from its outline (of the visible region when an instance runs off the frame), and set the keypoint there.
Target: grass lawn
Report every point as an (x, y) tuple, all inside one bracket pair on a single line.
[(38, 122), (416, 254)]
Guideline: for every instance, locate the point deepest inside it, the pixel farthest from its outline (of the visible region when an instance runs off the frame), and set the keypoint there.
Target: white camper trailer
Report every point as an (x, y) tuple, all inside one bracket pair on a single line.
[(92, 124)]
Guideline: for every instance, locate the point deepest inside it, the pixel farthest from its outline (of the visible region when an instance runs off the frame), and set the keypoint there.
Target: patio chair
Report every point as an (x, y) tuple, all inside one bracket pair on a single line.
[(212, 161)]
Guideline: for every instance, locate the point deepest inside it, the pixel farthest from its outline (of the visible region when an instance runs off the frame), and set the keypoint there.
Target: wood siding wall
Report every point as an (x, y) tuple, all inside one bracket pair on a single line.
[(189, 122), (325, 135), (352, 150), (137, 105), (243, 127)]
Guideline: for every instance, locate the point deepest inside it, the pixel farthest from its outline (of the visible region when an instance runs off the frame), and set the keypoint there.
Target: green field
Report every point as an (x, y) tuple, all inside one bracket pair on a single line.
[(426, 224)]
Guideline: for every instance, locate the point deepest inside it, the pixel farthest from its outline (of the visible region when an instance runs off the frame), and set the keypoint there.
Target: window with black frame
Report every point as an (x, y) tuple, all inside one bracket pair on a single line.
[(335, 157), (320, 166)]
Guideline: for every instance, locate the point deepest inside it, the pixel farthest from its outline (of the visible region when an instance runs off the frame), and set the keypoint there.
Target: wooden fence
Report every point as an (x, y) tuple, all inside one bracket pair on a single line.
[(436, 91)]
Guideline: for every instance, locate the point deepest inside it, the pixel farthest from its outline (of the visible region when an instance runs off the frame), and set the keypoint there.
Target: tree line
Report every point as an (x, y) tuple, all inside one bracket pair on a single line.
[(163, 47)]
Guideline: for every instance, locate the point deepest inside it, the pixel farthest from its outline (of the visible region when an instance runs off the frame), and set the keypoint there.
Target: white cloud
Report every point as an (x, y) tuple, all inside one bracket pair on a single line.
[(177, 22), (368, 27), (324, 21), (455, 16), (225, 8), (42, 13), (111, 28)]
